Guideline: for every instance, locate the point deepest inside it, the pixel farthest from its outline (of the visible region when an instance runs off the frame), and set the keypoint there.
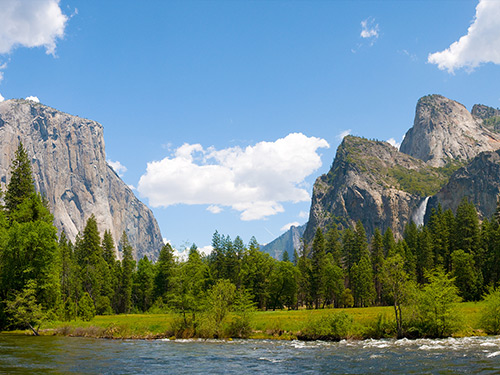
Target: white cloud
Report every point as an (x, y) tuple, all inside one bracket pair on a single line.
[(254, 180), (30, 24), (303, 214), (289, 225), (33, 99), (369, 29), (343, 134), (214, 209), (205, 250), (393, 143), (1, 98), (480, 45), (118, 167)]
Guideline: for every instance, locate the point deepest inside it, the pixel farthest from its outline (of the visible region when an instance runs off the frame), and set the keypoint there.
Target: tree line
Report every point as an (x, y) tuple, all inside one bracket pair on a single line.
[(42, 275)]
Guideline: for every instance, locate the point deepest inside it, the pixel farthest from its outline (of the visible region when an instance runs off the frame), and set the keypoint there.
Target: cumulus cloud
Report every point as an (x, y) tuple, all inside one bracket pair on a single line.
[(30, 24), (214, 209), (254, 181), (481, 44), (118, 167), (303, 214), (33, 99), (394, 143), (289, 225), (369, 29), (1, 98)]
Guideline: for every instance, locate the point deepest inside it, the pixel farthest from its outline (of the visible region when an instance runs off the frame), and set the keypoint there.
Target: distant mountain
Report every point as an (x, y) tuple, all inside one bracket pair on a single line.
[(70, 169), (287, 242), (449, 153)]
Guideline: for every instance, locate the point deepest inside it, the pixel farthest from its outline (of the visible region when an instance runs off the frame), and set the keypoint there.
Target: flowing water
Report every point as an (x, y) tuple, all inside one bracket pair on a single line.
[(419, 215), (67, 355)]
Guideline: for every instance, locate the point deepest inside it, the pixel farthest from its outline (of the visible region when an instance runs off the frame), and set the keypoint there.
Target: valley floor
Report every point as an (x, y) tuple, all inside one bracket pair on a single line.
[(369, 322)]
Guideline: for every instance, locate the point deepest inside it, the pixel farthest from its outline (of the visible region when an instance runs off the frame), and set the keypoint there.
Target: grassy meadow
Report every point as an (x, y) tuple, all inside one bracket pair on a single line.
[(367, 322)]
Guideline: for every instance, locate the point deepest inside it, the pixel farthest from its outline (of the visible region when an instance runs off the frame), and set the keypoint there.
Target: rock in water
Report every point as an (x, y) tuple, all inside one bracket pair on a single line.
[(444, 130), (70, 169)]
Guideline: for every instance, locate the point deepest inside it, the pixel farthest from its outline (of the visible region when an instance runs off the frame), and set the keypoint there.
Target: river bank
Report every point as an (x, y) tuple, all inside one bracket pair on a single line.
[(367, 323)]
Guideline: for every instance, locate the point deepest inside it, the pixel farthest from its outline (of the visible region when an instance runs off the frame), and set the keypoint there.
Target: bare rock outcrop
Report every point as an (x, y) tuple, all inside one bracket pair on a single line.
[(373, 182), (70, 169), (445, 131)]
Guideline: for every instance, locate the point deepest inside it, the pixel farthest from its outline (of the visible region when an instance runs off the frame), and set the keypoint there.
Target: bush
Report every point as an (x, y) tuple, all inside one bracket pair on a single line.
[(380, 328), (333, 327), (490, 314)]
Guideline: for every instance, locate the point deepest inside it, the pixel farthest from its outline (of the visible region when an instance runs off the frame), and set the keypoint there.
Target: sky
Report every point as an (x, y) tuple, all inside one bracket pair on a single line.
[(221, 114)]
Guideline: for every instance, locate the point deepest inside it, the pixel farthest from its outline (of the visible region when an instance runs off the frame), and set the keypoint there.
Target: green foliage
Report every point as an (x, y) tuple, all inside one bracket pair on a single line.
[(24, 310), (490, 313), (20, 186), (333, 326), (86, 308), (423, 182), (436, 306)]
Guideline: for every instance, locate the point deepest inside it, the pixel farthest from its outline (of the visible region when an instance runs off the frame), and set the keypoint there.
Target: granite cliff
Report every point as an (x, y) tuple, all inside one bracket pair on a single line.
[(444, 130), (373, 182), (448, 154), (70, 169)]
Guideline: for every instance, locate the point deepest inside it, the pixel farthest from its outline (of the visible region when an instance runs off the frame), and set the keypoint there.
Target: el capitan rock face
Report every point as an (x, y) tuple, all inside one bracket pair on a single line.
[(70, 169), (444, 130)]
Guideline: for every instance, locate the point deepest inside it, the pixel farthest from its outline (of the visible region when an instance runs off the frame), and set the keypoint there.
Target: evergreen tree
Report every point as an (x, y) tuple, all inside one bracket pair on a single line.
[(332, 282), (127, 267), (377, 258), (255, 271), (333, 244), (317, 264), (389, 243), (362, 282), (142, 291), (164, 273), (21, 185), (93, 269)]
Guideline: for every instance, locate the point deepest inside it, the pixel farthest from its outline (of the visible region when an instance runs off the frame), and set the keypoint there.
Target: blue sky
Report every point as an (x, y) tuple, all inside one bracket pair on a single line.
[(222, 111)]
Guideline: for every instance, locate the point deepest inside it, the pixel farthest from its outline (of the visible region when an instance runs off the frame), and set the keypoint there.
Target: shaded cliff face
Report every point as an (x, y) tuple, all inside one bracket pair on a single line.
[(444, 130), (479, 181), (70, 169), (373, 182), (287, 242)]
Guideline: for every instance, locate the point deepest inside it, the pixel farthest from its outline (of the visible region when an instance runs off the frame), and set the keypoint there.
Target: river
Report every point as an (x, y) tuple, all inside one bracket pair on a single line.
[(68, 355)]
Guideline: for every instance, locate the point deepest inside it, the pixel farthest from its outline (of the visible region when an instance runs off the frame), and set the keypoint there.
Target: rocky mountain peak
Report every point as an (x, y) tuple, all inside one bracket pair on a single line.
[(70, 169), (373, 182), (444, 131)]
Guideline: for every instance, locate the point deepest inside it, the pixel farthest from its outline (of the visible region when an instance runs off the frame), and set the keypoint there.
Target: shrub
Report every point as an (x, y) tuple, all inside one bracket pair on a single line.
[(490, 314), (334, 327)]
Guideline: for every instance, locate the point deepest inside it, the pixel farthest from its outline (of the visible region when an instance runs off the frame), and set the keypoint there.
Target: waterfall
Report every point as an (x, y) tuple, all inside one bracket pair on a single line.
[(418, 216)]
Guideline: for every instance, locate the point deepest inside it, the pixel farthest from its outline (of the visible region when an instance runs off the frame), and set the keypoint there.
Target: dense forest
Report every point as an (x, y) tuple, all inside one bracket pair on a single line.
[(46, 277)]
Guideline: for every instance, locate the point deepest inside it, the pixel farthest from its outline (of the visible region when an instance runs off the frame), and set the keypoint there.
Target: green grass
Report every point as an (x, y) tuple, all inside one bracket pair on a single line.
[(279, 324)]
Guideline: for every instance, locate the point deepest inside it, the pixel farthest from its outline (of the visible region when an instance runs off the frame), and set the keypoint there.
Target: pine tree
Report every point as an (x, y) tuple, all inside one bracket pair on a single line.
[(377, 258), (164, 273), (317, 264), (128, 267), (21, 185)]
